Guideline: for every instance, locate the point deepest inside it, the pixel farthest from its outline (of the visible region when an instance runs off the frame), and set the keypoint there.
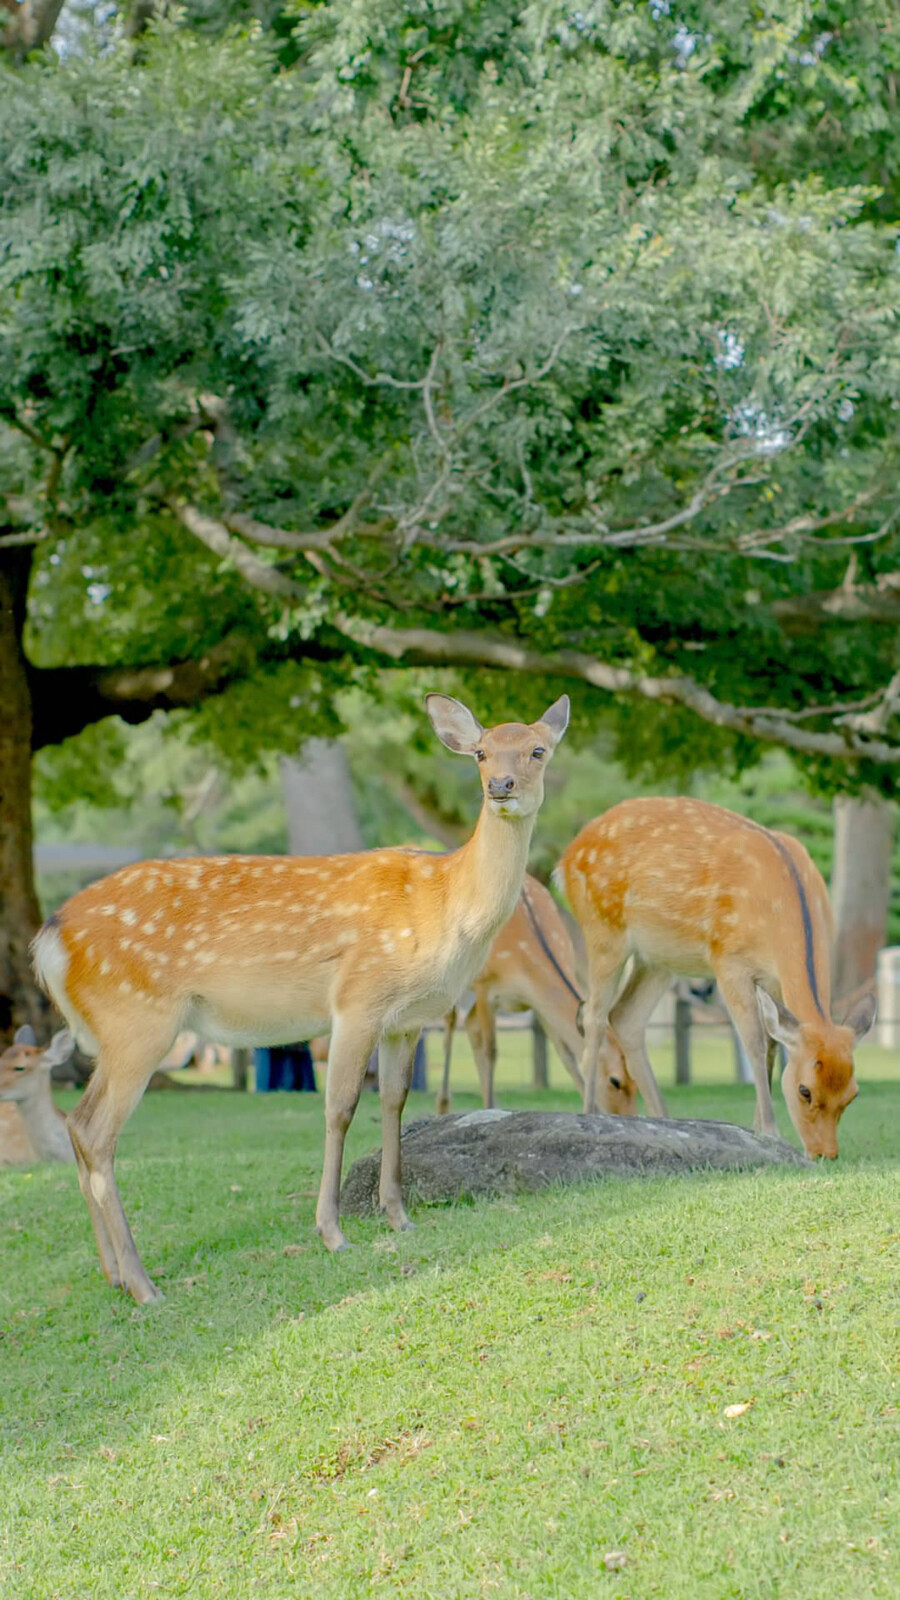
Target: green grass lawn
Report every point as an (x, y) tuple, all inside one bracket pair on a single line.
[(495, 1405)]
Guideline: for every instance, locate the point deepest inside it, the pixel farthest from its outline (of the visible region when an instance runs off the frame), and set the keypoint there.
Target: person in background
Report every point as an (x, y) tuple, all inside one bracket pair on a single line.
[(287, 1066)]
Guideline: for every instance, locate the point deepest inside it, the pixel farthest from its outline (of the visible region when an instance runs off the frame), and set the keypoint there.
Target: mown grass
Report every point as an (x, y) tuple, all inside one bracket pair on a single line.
[(495, 1405)]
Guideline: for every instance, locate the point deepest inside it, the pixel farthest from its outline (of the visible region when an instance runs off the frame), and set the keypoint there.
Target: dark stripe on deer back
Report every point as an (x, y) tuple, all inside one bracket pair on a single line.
[(808, 934), (539, 934)]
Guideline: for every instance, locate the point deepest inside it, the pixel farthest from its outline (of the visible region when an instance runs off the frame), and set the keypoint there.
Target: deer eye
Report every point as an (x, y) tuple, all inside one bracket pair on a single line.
[(804, 1092), (615, 1083), (538, 753), (479, 755)]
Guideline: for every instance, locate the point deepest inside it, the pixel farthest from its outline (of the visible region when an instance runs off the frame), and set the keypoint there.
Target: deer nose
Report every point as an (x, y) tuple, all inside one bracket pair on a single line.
[(498, 787)]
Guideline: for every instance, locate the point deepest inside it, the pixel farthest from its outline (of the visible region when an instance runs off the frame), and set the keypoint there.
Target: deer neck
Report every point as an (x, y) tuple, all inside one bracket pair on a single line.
[(489, 870), (45, 1126)]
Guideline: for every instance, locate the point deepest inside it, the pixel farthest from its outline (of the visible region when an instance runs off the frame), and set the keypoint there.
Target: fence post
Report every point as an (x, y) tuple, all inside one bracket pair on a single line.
[(240, 1066), (539, 1055), (682, 1038)]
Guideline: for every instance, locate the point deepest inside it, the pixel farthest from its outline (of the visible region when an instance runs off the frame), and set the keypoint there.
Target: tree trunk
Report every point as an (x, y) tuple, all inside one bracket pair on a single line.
[(29, 26), (318, 795), (860, 888), (20, 1000)]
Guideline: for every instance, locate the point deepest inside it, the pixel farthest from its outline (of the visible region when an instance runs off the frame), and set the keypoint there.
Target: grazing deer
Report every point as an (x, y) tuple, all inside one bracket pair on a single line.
[(687, 887), (264, 950), (31, 1127), (531, 967)]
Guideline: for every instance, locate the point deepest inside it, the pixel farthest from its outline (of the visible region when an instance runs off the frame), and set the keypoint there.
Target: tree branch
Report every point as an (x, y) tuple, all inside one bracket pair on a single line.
[(216, 537), (878, 602), (420, 646), (66, 700)]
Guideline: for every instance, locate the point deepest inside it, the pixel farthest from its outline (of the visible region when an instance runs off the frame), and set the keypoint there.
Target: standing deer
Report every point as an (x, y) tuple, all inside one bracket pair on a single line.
[(531, 967), (690, 888), (31, 1127), (261, 951)]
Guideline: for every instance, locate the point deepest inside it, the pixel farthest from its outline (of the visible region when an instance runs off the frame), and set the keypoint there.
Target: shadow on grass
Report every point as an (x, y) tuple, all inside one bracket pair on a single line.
[(220, 1191)]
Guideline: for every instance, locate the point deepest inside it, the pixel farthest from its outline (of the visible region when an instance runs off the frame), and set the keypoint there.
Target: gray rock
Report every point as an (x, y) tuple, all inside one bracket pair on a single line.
[(506, 1152)]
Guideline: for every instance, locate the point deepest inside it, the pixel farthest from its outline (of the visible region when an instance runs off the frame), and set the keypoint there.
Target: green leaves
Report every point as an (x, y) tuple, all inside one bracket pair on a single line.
[(580, 328)]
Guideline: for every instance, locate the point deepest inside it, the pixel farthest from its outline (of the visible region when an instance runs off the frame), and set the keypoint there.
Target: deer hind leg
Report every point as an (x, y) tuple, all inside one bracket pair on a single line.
[(739, 994), (604, 971), (116, 1086), (352, 1042), (109, 1261), (482, 1031), (629, 1018), (396, 1055), (443, 1099)]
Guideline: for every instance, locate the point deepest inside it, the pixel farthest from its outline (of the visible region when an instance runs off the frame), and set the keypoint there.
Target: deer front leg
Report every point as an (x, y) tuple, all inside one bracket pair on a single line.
[(396, 1055), (352, 1043), (564, 1053), (739, 994)]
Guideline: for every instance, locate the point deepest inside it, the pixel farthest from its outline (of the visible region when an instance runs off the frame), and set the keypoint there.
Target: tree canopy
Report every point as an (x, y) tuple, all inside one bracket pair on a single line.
[(566, 339)]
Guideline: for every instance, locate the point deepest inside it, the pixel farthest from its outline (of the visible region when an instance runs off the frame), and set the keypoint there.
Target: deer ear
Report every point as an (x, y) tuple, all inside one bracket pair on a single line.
[(860, 1014), (779, 1023), (454, 724), (556, 719), (59, 1049), (25, 1035)]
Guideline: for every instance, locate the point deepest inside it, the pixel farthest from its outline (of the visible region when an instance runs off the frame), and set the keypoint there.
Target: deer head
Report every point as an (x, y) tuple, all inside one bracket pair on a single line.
[(818, 1081), (25, 1062), (616, 1088), (511, 757)]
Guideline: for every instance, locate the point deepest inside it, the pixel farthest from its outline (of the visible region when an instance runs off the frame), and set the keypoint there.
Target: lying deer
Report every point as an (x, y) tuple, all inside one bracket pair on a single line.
[(531, 967), (31, 1127), (261, 951), (687, 887)]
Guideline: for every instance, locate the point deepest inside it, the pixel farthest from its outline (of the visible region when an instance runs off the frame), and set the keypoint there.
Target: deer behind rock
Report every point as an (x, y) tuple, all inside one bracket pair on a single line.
[(31, 1126)]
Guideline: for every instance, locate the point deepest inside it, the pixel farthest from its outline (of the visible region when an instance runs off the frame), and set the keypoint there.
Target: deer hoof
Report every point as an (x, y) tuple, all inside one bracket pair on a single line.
[(399, 1221), (146, 1294), (332, 1238)]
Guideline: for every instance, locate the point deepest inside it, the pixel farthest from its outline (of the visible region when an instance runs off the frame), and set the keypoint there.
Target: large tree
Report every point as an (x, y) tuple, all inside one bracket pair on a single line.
[(556, 341)]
